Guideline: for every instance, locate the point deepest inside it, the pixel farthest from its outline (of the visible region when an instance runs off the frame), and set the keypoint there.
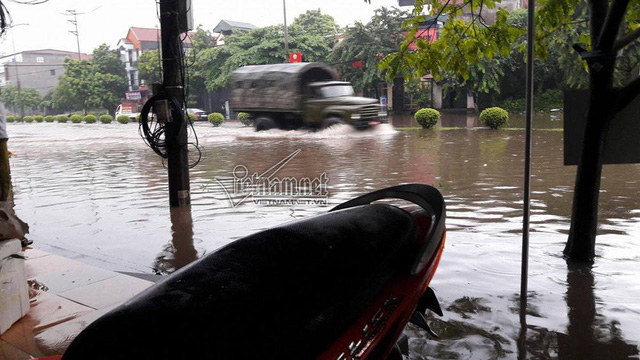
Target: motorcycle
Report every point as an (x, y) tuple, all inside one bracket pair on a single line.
[(338, 286)]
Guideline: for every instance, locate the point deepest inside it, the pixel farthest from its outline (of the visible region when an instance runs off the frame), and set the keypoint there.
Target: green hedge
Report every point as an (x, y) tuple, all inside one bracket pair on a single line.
[(106, 119), (123, 119), (191, 118), (216, 118), (494, 117), (90, 119), (11, 118), (19, 119), (49, 118), (38, 118), (76, 119), (427, 117), (62, 118), (28, 119), (545, 101), (245, 119)]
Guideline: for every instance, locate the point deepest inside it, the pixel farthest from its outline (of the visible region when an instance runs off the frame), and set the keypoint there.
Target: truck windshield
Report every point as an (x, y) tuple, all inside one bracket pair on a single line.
[(336, 91)]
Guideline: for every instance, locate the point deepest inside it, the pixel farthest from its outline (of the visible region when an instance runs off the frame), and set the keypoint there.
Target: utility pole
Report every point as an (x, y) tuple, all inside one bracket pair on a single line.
[(173, 86), (286, 32), (15, 65), (76, 33)]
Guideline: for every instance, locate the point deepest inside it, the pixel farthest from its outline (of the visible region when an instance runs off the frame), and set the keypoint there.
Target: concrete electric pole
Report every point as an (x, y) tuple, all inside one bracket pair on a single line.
[(174, 20)]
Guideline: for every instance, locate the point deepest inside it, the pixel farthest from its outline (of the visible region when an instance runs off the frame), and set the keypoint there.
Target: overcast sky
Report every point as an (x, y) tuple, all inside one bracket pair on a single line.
[(107, 21)]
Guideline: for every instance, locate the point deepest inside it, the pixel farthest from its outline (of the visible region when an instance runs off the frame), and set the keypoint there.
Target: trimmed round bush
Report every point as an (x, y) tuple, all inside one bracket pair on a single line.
[(38, 118), (138, 118), (216, 118), (245, 119), (19, 119), (49, 118), (90, 119), (11, 118), (123, 119), (106, 119), (28, 119), (191, 118), (62, 118), (494, 117), (76, 119), (427, 117)]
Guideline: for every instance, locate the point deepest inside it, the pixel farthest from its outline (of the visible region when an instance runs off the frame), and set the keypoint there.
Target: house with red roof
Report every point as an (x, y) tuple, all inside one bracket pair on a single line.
[(138, 41)]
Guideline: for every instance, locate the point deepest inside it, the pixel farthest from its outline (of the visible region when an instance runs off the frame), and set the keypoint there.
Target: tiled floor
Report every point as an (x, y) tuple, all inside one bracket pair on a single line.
[(67, 296)]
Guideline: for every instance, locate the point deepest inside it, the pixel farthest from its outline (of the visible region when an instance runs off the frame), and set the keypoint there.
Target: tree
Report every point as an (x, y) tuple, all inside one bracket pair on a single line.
[(25, 97), (265, 46), (149, 67), (357, 57), (316, 23), (99, 82), (612, 28), (201, 40)]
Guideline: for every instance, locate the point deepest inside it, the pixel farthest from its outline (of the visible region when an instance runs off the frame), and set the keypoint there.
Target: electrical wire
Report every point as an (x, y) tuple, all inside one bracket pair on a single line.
[(154, 133)]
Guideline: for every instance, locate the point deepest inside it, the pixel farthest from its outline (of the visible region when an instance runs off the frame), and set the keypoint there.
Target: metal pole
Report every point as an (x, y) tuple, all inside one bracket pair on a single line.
[(75, 20), (15, 64), (286, 32), (527, 169), (173, 85)]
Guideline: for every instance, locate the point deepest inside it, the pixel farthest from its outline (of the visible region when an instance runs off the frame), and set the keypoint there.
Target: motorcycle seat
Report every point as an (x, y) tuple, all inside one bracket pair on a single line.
[(283, 293)]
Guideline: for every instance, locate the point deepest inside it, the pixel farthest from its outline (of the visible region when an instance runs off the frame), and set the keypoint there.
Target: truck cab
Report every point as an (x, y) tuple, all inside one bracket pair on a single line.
[(334, 102)]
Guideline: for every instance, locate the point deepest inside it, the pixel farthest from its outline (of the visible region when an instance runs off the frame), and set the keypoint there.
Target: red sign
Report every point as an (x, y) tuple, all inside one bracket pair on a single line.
[(295, 57)]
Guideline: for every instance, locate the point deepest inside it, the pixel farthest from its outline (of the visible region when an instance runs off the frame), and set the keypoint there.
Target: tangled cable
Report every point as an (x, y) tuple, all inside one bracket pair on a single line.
[(154, 133)]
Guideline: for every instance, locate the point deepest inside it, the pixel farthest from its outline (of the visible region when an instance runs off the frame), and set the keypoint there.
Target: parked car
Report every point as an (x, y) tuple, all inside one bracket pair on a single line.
[(200, 115)]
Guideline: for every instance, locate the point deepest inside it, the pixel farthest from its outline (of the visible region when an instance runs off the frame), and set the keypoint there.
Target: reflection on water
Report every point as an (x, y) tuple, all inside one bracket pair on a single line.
[(180, 251), (95, 193), (589, 335)]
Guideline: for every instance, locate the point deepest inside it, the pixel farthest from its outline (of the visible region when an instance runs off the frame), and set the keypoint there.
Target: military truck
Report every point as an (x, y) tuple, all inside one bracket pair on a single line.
[(291, 96)]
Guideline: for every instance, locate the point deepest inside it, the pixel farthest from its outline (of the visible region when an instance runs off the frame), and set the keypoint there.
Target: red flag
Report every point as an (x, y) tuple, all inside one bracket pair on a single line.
[(295, 57)]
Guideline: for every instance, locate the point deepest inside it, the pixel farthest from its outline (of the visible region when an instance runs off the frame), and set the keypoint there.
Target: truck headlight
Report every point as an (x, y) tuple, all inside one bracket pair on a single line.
[(382, 114), (355, 116)]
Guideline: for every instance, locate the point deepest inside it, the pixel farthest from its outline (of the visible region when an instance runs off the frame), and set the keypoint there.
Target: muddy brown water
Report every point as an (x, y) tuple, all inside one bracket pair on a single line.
[(97, 194)]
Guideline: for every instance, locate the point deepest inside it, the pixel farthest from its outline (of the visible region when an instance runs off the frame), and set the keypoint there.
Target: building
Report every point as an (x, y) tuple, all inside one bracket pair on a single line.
[(138, 41), (35, 69), (228, 27)]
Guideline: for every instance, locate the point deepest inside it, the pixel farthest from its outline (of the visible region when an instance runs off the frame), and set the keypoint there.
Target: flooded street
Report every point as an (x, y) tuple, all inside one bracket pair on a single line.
[(96, 193)]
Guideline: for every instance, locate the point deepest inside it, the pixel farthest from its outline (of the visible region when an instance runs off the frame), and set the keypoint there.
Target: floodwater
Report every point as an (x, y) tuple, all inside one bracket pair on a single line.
[(97, 194)]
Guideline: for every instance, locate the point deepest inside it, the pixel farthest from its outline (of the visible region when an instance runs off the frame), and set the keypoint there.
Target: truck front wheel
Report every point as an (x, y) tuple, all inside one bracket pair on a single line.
[(330, 121), (264, 123)]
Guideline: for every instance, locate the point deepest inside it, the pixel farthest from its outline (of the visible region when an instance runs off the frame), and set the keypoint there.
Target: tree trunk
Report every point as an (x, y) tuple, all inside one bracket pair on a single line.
[(584, 215)]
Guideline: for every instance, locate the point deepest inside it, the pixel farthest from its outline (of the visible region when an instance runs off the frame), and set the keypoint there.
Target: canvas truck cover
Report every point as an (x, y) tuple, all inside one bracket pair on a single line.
[(279, 87)]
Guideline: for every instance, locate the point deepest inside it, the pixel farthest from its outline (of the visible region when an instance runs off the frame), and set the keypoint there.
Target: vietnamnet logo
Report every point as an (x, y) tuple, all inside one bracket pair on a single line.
[(267, 189)]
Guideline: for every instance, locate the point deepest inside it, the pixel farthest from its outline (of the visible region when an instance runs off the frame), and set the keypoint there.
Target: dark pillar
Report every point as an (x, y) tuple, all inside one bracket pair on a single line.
[(173, 84)]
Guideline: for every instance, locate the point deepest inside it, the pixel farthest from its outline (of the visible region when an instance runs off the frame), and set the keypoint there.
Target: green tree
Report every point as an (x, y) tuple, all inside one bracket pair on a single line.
[(316, 23), (201, 40), (612, 29), (99, 82), (266, 46), (25, 98), (367, 44), (149, 67)]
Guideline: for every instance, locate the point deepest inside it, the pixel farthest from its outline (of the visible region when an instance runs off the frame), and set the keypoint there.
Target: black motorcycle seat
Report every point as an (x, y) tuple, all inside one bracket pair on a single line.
[(283, 293)]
